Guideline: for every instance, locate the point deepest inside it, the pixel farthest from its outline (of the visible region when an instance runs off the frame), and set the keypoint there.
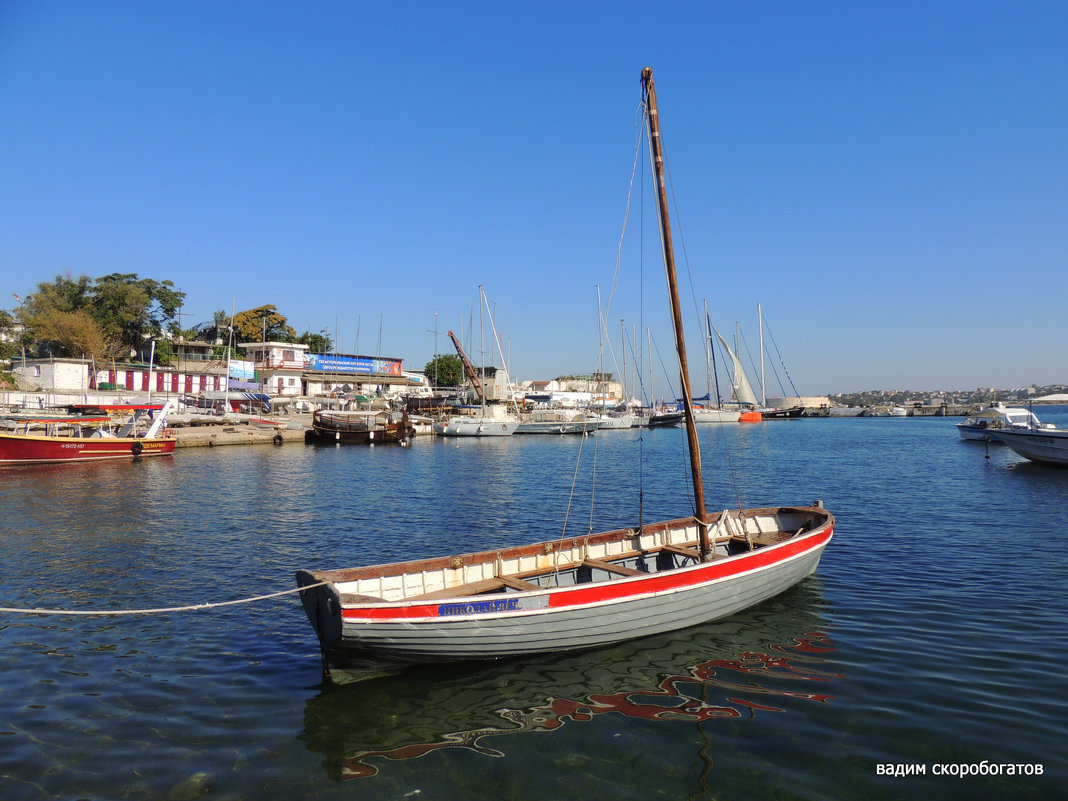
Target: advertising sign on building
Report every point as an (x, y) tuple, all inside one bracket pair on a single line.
[(242, 369), (356, 365)]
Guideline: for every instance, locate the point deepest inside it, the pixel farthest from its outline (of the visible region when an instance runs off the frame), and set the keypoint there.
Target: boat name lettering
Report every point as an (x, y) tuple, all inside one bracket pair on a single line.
[(499, 605), (478, 607)]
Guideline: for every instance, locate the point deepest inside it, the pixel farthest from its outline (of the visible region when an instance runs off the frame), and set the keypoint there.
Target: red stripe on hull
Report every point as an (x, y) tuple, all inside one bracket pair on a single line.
[(586, 594)]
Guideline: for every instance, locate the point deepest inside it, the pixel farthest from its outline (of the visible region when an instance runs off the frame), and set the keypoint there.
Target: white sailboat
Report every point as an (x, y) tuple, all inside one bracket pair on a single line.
[(713, 413), (493, 420), (767, 413), (741, 390)]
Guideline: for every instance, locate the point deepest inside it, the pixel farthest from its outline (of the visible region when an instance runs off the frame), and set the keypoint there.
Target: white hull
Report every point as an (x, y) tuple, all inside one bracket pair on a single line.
[(976, 434), (613, 421), (555, 427), (1048, 445), (470, 427), (716, 415), (430, 610), (988, 424)]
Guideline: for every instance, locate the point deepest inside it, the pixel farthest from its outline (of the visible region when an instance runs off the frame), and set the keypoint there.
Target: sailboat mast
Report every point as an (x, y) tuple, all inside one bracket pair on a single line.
[(760, 323), (482, 344), (676, 310)]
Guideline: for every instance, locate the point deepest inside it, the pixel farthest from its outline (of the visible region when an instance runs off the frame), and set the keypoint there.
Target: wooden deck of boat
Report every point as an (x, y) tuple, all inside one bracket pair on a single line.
[(518, 582)]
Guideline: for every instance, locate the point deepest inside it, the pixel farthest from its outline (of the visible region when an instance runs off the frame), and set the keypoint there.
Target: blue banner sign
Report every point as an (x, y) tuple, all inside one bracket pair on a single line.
[(361, 365)]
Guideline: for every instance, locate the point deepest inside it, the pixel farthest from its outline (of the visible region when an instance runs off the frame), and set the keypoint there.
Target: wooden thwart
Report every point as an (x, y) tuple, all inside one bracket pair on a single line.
[(681, 550), (474, 588), (517, 582), (612, 568)]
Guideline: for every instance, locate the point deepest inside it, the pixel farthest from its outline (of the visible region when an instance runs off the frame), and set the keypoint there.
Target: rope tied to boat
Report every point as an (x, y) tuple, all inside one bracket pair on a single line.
[(158, 610)]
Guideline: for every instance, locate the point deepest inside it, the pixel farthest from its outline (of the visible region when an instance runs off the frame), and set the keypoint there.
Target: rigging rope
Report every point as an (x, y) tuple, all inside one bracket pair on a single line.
[(159, 610)]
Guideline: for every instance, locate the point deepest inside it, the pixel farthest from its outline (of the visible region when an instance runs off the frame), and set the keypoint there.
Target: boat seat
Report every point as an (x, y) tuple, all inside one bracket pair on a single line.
[(771, 537), (622, 570), (477, 588), (517, 583), (689, 553), (461, 590)]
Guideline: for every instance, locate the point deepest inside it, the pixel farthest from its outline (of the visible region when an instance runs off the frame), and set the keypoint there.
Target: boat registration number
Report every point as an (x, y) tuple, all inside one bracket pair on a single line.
[(497, 605)]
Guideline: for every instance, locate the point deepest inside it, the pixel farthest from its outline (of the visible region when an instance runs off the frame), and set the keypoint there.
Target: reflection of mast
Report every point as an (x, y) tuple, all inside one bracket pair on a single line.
[(469, 368)]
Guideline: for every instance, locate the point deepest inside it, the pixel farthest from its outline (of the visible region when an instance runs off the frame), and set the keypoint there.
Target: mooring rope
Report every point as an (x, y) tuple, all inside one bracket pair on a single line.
[(160, 610)]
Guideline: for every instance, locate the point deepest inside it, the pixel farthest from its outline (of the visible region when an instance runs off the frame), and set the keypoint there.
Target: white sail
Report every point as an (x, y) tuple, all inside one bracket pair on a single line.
[(742, 389)]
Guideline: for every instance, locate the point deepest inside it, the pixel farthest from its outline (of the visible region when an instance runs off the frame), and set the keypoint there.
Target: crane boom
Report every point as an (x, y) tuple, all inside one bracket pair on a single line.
[(469, 368)]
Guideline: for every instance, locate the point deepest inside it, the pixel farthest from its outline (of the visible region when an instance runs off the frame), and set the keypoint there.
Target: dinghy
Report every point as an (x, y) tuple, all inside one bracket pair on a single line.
[(573, 592)]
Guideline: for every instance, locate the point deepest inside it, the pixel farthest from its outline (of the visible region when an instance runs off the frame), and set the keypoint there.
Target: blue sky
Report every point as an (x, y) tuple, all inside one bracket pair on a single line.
[(890, 181)]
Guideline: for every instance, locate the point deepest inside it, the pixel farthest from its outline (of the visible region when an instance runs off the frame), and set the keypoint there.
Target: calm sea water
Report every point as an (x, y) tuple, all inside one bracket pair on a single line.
[(933, 633)]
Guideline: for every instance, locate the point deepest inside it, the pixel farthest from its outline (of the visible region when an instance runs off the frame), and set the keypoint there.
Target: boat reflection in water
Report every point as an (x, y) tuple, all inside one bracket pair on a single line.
[(760, 661)]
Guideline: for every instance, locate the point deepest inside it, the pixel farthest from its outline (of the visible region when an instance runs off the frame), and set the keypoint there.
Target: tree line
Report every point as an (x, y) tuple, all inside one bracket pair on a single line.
[(122, 317), (119, 317)]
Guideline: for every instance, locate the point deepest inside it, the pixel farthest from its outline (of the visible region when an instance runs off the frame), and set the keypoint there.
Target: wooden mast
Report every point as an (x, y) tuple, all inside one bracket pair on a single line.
[(676, 310)]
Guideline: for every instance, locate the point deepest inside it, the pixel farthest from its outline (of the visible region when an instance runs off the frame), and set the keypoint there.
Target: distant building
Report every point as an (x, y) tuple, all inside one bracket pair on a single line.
[(63, 375), (279, 366), (288, 369)]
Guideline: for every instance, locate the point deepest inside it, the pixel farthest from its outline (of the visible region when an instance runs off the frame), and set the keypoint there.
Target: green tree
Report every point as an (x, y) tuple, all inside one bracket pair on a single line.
[(317, 343), (75, 334), (9, 344), (445, 370), (134, 309), (109, 317), (262, 324)]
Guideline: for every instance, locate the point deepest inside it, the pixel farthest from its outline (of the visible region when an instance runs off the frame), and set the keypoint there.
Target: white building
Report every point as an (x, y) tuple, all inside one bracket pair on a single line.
[(280, 366), (61, 375)]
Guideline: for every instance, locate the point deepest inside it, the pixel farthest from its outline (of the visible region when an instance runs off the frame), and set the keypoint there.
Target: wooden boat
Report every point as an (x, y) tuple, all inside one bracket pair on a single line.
[(577, 592), (91, 433), (265, 422), (360, 428)]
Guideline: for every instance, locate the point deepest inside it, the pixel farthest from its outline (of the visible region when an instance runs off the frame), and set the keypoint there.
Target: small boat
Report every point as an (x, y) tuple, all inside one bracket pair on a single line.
[(476, 427), (573, 592), (1041, 442), (706, 414), (555, 421), (616, 420), (89, 433), (792, 413), (664, 419), (660, 417), (492, 420), (265, 423), (360, 427), (986, 425)]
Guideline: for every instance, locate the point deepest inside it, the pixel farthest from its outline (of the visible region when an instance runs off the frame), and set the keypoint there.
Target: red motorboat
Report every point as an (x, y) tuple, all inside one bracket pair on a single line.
[(88, 433)]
